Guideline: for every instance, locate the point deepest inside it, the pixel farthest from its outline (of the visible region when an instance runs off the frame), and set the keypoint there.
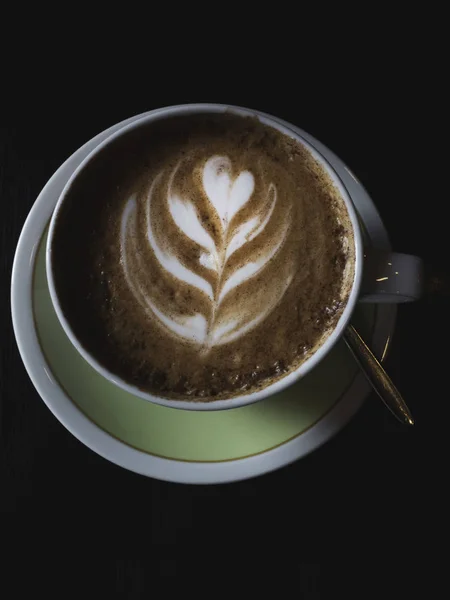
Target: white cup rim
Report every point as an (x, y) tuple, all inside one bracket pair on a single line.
[(293, 376)]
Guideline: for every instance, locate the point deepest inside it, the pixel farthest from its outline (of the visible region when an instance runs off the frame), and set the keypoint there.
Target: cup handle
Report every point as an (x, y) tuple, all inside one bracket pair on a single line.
[(390, 277)]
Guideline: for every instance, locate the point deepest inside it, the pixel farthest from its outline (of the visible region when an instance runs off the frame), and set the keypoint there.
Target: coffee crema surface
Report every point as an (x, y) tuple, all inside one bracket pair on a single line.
[(203, 257)]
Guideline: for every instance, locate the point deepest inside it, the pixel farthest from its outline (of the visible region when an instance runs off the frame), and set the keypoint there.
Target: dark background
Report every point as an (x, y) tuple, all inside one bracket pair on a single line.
[(362, 510)]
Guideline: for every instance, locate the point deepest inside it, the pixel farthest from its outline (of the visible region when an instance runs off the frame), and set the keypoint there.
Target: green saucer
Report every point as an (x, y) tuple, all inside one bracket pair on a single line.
[(188, 435)]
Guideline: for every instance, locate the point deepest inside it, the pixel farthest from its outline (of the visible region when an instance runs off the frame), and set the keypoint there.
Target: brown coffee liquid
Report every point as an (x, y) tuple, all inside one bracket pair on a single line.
[(203, 257)]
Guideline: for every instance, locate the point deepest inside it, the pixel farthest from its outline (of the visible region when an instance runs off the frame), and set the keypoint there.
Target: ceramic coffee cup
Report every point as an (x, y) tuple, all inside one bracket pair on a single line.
[(377, 278)]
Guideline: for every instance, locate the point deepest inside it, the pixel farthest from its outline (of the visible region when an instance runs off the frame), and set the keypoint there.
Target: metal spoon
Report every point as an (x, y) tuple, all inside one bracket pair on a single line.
[(377, 376)]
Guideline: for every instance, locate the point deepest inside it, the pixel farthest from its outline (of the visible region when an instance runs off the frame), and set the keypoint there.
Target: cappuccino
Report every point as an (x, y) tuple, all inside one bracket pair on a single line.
[(202, 257)]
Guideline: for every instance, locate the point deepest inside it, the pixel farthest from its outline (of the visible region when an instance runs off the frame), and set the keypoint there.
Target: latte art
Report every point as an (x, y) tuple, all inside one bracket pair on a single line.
[(216, 256), (226, 196)]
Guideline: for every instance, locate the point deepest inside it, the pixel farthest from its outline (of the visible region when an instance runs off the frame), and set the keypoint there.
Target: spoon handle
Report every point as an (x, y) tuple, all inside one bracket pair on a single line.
[(377, 376)]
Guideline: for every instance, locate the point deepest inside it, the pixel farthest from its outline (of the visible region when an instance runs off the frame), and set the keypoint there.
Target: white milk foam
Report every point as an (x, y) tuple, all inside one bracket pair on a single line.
[(226, 197)]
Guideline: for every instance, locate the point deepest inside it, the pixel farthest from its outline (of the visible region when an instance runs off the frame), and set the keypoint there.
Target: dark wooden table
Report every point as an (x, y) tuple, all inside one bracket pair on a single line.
[(320, 518)]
